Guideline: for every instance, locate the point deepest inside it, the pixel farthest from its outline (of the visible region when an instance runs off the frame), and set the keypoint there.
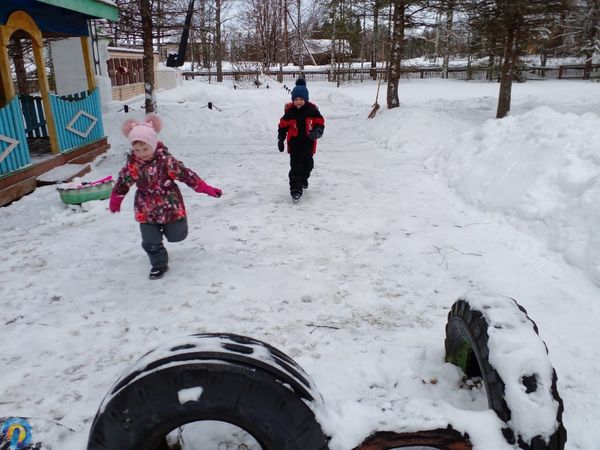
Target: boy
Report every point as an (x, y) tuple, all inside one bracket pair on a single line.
[(302, 124)]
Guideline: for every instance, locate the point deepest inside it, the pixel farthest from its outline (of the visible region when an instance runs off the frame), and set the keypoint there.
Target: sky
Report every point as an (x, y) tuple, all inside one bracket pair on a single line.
[(405, 213)]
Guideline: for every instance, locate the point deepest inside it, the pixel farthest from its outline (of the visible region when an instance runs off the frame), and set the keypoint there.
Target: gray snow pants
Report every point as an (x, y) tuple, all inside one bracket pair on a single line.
[(152, 239)]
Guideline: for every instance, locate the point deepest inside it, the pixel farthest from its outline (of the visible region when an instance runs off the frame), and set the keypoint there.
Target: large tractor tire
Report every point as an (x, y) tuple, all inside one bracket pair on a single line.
[(217, 377), (483, 332)]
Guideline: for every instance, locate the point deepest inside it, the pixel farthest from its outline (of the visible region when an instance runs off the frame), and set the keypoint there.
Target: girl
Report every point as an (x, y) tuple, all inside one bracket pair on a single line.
[(158, 202)]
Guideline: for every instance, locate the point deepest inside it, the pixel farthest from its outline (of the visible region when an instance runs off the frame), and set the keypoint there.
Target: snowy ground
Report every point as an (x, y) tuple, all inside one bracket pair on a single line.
[(404, 214)]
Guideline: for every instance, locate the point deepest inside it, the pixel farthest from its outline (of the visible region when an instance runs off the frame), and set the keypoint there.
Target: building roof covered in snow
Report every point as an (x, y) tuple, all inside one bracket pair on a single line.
[(323, 46)]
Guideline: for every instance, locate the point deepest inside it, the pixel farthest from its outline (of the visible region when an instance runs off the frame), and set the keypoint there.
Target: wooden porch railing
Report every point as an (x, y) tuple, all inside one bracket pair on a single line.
[(33, 114), (14, 152), (78, 119)]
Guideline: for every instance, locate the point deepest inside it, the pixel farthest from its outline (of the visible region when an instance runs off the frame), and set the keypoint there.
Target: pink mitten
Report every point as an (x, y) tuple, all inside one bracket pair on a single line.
[(114, 203), (204, 188)]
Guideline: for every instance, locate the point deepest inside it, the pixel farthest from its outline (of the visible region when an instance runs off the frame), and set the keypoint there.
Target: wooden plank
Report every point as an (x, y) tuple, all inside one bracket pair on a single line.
[(98, 114), (5, 70), (9, 126), (5, 166), (22, 151), (87, 62), (23, 138), (42, 119), (63, 174), (16, 191)]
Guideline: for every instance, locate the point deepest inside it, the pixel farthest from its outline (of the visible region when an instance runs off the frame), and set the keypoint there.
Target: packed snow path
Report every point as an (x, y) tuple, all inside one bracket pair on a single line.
[(354, 282)]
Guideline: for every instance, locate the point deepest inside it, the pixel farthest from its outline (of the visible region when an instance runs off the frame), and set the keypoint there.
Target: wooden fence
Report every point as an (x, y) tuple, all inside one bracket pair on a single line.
[(78, 119), (565, 72), (33, 115), (14, 152)]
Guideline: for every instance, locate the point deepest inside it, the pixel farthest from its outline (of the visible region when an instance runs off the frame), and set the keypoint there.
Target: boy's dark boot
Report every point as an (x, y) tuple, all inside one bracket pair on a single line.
[(157, 272), (305, 184), (296, 195)]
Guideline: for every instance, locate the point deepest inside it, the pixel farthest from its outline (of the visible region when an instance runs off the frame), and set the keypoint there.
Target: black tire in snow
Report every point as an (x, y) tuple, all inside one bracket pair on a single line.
[(268, 395), (467, 347)]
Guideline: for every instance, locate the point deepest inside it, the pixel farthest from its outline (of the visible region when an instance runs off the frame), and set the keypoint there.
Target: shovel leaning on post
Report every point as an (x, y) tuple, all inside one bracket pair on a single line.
[(375, 105)]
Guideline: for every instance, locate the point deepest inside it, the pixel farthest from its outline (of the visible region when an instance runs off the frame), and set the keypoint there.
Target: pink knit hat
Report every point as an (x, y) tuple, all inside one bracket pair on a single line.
[(145, 131)]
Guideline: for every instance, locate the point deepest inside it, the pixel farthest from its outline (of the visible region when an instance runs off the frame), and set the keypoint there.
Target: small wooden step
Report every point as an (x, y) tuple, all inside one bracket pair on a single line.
[(63, 174), (16, 191)]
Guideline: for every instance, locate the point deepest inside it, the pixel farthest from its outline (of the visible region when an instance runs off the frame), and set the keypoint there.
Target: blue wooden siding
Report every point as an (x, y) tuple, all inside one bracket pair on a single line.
[(11, 125), (65, 110)]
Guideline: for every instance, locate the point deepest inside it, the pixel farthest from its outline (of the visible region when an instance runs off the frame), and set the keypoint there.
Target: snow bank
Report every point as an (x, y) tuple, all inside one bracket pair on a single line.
[(542, 167)]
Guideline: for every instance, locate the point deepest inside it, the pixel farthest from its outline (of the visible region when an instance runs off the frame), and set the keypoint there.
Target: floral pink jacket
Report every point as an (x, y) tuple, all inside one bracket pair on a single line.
[(158, 199)]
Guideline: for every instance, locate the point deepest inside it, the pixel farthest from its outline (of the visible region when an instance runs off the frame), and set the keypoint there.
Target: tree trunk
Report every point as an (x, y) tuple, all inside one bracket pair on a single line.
[(298, 29), (286, 40), (396, 47), (16, 51), (491, 59), (469, 58), (218, 46), (375, 40), (590, 36), (332, 62), (543, 57), (448, 37), (148, 56), (507, 74), (203, 37)]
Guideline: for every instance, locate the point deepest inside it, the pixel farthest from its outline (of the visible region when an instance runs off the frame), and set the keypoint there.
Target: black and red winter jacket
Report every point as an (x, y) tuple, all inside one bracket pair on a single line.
[(297, 123)]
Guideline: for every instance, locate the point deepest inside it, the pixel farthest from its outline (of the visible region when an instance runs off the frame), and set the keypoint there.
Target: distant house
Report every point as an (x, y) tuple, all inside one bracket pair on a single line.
[(59, 120), (170, 45), (126, 72), (320, 49)]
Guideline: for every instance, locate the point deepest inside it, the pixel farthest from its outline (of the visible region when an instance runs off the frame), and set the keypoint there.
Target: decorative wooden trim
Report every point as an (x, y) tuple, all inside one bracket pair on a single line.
[(85, 133), (5, 72), (12, 144), (87, 62), (20, 20)]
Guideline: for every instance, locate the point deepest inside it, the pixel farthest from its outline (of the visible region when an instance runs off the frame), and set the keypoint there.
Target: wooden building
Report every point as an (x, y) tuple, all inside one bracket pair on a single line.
[(39, 129), (126, 72)]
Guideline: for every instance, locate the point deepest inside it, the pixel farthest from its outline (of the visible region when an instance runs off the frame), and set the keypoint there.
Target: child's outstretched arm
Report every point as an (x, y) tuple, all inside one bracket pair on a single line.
[(124, 182), (204, 188), (178, 171)]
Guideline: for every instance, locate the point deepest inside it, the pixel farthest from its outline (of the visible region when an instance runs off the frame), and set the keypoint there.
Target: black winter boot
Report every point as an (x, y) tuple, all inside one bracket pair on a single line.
[(158, 272)]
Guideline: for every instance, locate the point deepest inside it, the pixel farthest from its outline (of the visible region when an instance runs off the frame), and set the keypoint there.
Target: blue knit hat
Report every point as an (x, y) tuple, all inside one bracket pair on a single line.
[(300, 90)]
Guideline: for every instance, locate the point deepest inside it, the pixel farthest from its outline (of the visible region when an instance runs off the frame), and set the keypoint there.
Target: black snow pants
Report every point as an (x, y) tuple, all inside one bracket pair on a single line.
[(152, 239), (301, 164)]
